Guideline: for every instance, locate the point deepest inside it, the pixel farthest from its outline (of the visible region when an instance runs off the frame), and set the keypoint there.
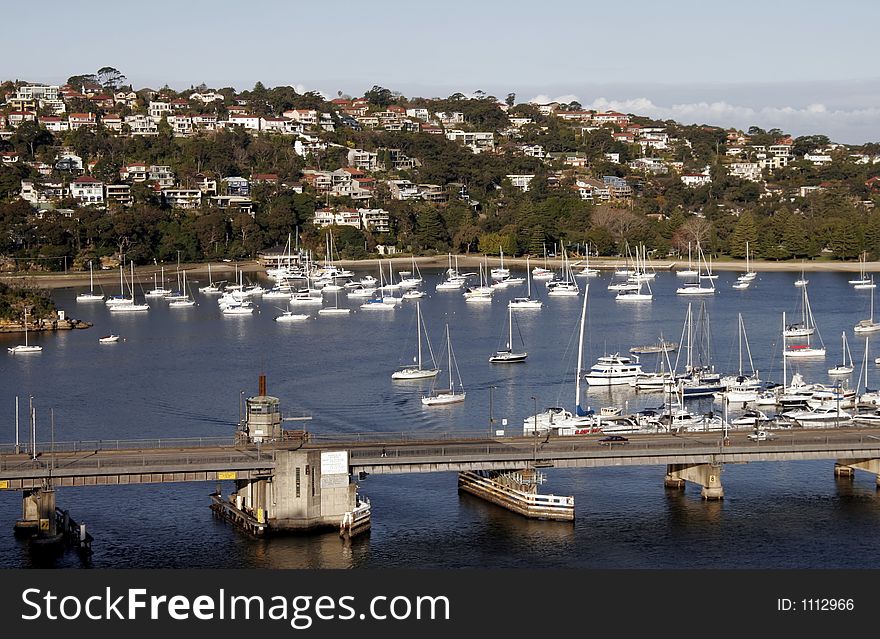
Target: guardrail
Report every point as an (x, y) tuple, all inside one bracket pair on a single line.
[(119, 444), (47, 465)]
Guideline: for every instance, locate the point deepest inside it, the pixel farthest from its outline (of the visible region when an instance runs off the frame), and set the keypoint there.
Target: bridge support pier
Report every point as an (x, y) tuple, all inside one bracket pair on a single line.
[(847, 467), (37, 513), (517, 491), (310, 490), (706, 475)]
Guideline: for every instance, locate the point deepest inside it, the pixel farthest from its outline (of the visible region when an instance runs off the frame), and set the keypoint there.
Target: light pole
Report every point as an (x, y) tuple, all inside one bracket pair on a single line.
[(535, 434), (491, 419)]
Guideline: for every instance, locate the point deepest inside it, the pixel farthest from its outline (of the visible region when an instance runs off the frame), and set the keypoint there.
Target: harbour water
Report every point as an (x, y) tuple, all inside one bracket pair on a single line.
[(180, 372)]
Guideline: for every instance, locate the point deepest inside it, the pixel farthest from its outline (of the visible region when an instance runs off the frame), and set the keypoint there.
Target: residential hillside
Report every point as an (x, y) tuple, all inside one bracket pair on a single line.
[(94, 169)]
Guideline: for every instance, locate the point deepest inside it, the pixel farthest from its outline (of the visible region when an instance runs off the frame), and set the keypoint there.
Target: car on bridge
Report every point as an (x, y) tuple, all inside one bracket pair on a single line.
[(761, 436), (613, 439)]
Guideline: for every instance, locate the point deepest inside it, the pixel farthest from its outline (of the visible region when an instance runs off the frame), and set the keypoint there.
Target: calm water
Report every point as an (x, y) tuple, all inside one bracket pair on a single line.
[(179, 373)]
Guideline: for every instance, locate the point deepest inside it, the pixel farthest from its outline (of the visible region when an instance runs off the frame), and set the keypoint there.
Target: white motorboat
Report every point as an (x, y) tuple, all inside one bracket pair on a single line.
[(413, 294), (418, 371), (828, 414), (108, 339), (751, 418), (443, 397), (241, 308), (290, 316), (613, 370), (377, 305)]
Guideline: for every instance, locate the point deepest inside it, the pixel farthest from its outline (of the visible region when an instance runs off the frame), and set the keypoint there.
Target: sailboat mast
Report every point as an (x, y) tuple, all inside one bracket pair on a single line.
[(509, 329), (739, 315), (419, 331), (784, 372), (449, 359), (577, 386)]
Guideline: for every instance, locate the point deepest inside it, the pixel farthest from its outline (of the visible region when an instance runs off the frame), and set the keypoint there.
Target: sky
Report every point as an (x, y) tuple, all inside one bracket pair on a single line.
[(806, 67)]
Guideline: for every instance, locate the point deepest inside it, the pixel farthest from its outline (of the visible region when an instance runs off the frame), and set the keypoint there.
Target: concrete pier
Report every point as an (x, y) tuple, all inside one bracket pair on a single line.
[(708, 476), (37, 513), (847, 467)]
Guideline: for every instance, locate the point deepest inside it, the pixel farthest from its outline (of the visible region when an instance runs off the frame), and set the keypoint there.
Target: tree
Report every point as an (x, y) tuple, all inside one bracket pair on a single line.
[(430, 232), (746, 232), (110, 78), (510, 100), (77, 81), (379, 96)]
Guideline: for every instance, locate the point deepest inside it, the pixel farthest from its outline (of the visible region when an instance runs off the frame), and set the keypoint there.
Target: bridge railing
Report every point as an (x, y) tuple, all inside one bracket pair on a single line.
[(120, 444), (48, 464)]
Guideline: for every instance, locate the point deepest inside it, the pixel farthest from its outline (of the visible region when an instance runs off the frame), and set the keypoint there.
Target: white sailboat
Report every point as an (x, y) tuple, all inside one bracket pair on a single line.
[(414, 278), (640, 281), (749, 275), (499, 272), (334, 310), (542, 272), (447, 395), (696, 287), (556, 419), (868, 325), (186, 301), (25, 348), (527, 301), (508, 355), (211, 288), (158, 291), (803, 281), (481, 293), (806, 326), (91, 296), (690, 271), (130, 306), (120, 299), (846, 361), (741, 387), (863, 281), (417, 371), (805, 350), (567, 286)]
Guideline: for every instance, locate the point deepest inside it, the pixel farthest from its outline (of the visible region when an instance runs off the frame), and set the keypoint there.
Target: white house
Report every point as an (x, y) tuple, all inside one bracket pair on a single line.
[(178, 198), (696, 179), (476, 141), (418, 113), (746, 170), (141, 125), (245, 120), (520, 181), (87, 190), (818, 159), (181, 125), (363, 159), (158, 109)]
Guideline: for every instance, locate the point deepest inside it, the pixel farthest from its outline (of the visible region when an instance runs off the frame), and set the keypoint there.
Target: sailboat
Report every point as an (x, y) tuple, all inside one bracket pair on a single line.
[(696, 287), (567, 286), (690, 271), (556, 418), (806, 326), (417, 371), (742, 387), (527, 301), (120, 299), (25, 348), (542, 272), (700, 378), (334, 310), (447, 395), (91, 296), (640, 280), (863, 281), (508, 355), (869, 396), (804, 350), (586, 271), (211, 288), (743, 281), (130, 306), (158, 291), (868, 325), (846, 361), (481, 293), (454, 280), (499, 272), (414, 277), (186, 300), (803, 281)]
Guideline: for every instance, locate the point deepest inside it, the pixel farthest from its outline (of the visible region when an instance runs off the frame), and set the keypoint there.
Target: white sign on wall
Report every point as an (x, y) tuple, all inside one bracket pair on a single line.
[(334, 463)]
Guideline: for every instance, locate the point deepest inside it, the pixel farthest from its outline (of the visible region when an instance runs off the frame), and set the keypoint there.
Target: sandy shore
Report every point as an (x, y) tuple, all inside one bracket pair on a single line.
[(109, 280)]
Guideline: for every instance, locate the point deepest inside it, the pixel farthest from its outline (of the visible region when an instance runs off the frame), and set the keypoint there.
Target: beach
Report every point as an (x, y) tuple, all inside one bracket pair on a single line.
[(227, 270)]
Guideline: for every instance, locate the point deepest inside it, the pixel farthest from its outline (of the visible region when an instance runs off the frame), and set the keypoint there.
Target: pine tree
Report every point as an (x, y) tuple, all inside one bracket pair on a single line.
[(746, 231)]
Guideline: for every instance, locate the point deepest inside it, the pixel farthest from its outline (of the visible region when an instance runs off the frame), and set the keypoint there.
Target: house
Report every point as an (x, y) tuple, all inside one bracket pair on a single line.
[(178, 198), (87, 190), (338, 217), (434, 193), (404, 190), (78, 120), (534, 151), (592, 190), (610, 117), (136, 172), (547, 109), (419, 113), (431, 129), (453, 117), (696, 179), (245, 120), (126, 98), (612, 157), (306, 145), (158, 109), (618, 188), (326, 122), (205, 121), (181, 125), (236, 186), (518, 121), (307, 117), (476, 141), (274, 125), (395, 159), (745, 170), (774, 162), (521, 181), (624, 137), (234, 203), (179, 104), (118, 194), (264, 178), (375, 220), (17, 118), (208, 186), (68, 161), (817, 158), (43, 194), (573, 116), (103, 101), (112, 122), (9, 157), (206, 97), (654, 166), (363, 159), (141, 125), (161, 175)]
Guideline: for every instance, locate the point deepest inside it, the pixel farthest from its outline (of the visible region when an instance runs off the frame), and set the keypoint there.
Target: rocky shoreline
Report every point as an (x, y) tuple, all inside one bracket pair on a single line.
[(44, 325)]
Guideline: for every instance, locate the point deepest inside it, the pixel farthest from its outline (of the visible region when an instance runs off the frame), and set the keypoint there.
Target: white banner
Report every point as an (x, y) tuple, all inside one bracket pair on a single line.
[(334, 463)]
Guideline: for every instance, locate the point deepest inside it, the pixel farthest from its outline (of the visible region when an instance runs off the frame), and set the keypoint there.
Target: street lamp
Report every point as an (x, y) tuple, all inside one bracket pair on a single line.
[(535, 434)]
